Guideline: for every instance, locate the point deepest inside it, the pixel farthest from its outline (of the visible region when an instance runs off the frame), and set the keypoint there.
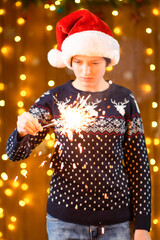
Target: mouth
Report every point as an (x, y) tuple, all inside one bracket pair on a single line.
[(86, 78)]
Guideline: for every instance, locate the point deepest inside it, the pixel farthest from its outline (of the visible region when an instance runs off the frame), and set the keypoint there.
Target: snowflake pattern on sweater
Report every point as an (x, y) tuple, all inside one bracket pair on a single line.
[(109, 181)]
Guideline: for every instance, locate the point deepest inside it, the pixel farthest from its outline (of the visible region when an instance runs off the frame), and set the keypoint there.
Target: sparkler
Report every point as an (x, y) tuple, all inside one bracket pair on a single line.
[(75, 117)]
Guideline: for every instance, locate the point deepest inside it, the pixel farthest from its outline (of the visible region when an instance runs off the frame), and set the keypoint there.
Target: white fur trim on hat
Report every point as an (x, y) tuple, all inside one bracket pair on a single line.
[(55, 58), (90, 43)]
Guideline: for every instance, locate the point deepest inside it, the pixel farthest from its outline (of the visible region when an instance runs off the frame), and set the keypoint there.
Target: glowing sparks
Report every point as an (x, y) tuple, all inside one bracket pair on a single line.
[(42, 164), (15, 178), (75, 117)]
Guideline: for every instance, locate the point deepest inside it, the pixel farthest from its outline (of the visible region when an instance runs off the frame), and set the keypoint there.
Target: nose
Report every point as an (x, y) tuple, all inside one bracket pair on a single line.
[(86, 69)]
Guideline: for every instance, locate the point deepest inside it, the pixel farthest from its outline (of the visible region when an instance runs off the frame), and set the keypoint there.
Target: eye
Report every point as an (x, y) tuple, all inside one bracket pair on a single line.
[(76, 61), (95, 63)]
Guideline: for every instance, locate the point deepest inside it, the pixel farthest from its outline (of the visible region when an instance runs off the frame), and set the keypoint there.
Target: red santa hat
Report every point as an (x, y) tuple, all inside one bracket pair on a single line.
[(83, 33)]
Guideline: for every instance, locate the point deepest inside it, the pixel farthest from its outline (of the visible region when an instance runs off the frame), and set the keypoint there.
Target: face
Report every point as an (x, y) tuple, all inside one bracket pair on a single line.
[(89, 71)]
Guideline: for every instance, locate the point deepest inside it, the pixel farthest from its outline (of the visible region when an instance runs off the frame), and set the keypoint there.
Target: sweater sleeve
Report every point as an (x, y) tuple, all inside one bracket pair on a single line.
[(137, 167), (21, 148)]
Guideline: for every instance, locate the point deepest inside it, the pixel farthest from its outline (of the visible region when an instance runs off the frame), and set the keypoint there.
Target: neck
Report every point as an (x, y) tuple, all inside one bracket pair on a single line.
[(97, 88)]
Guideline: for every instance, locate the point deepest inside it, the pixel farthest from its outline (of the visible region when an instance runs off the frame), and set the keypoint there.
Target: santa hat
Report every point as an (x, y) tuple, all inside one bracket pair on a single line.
[(83, 33)]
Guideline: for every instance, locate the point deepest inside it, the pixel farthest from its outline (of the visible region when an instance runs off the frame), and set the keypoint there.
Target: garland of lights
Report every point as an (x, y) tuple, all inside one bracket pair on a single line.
[(62, 3)]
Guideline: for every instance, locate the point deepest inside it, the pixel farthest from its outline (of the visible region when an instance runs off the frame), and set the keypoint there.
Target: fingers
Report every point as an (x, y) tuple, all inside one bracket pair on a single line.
[(27, 124)]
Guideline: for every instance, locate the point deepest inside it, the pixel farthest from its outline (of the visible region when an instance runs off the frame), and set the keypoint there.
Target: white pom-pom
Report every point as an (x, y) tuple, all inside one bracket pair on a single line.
[(55, 58)]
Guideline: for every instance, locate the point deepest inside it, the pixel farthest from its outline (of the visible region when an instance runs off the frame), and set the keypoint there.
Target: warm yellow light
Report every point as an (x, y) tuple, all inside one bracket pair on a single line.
[(22, 77), (1, 29), (155, 169), (49, 28), (4, 157), (26, 200), (48, 190), (156, 141), (22, 58), (17, 39), (11, 227), (20, 104), (8, 192), (47, 137), (109, 69), (24, 187), (1, 215), (117, 31), (49, 172), (148, 30), (148, 141), (21, 110), (22, 203), (57, 3), (1, 183), (2, 11), (77, 1), (53, 136), (152, 161), (23, 172), (154, 124), (23, 93), (2, 103), (50, 143), (55, 46), (147, 88), (4, 50), (155, 221), (23, 165), (155, 11), (152, 67), (46, 6), (20, 21), (149, 51), (15, 184), (1, 210), (1, 86), (1, 234), (52, 7), (51, 83), (18, 4), (154, 104), (115, 13), (13, 219), (4, 176)]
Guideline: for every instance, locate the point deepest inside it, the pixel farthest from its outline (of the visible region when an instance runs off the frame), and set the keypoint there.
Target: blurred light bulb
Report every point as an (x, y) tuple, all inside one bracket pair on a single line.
[(23, 77), (49, 28), (22, 58), (115, 13), (21, 21), (154, 104), (148, 30), (17, 39), (4, 176), (51, 83), (4, 157)]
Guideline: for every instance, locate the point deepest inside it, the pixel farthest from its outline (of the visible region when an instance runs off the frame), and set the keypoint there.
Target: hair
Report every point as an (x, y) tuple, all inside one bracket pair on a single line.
[(108, 61)]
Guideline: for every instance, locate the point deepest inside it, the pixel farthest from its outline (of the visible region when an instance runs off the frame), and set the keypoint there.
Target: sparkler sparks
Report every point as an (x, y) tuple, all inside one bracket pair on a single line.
[(75, 117)]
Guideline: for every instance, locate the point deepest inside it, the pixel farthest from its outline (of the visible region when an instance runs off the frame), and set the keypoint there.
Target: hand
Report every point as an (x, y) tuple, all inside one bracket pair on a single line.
[(141, 234), (27, 124)]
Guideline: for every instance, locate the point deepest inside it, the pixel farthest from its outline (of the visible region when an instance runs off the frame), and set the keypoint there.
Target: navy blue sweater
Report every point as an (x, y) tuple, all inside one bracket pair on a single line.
[(102, 175)]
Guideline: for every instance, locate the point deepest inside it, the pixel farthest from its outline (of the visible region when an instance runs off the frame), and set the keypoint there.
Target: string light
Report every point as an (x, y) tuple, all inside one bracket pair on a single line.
[(13, 219), (18, 4), (155, 221), (22, 203), (115, 13), (4, 176), (149, 51), (152, 67), (23, 93), (154, 124), (152, 161), (154, 104), (148, 30), (20, 21), (51, 83), (22, 58), (117, 31), (49, 28), (23, 165), (1, 86), (47, 6), (8, 192), (4, 157), (57, 3), (155, 11), (2, 103), (11, 227), (1, 29), (23, 77), (52, 7), (24, 187), (20, 104), (17, 39), (155, 169), (2, 11)]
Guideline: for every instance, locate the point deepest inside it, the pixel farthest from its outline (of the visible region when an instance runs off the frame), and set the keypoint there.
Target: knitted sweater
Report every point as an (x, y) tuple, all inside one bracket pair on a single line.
[(101, 173)]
